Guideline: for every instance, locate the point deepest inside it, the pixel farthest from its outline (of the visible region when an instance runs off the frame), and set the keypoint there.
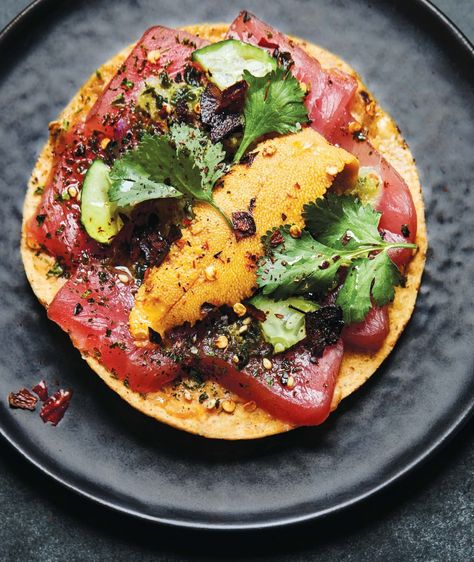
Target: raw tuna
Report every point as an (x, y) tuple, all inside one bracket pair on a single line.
[(93, 307), (56, 226), (329, 93), (308, 402), (296, 385)]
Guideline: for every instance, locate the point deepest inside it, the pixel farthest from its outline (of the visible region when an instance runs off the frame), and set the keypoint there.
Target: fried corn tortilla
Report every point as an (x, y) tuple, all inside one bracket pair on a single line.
[(237, 419)]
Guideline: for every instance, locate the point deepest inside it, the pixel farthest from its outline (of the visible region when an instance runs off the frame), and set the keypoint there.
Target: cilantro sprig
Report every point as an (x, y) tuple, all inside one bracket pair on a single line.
[(340, 232), (183, 162), (273, 104)]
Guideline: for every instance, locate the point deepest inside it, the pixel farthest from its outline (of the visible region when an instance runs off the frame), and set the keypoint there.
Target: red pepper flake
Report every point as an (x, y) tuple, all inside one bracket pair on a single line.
[(41, 390), (255, 312), (276, 238), (268, 44), (23, 399), (243, 224), (55, 406)]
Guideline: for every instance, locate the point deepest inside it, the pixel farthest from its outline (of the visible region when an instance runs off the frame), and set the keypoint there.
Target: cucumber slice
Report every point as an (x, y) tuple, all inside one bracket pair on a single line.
[(226, 61), (98, 215), (284, 325)]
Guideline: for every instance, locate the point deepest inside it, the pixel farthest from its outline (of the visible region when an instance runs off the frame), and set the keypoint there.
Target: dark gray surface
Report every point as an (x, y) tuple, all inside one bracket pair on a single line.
[(427, 517)]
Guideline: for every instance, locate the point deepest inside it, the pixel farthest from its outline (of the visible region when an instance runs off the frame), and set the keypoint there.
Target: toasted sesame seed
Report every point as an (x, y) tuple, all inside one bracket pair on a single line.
[(221, 342), (104, 143), (72, 191), (210, 404), (269, 150), (295, 231), (354, 127), (243, 329), (187, 396), (211, 273), (195, 229), (247, 321), (124, 278), (235, 359), (228, 406), (371, 108), (279, 347), (153, 56), (250, 406), (291, 381), (332, 170), (32, 243), (240, 309), (267, 364)]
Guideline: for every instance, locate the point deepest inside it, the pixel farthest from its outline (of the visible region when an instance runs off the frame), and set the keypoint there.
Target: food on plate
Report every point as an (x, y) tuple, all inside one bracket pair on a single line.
[(53, 407), (229, 227)]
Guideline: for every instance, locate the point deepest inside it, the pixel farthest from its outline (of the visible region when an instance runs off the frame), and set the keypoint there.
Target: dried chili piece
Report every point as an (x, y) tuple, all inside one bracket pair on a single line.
[(55, 406), (41, 390), (221, 111), (23, 399), (276, 238), (243, 224)]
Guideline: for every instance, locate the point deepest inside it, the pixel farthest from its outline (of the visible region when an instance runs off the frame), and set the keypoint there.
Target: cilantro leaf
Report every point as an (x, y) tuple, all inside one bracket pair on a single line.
[(133, 176), (341, 223), (208, 157), (341, 232), (368, 278), (298, 266), (182, 162), (273, 104)]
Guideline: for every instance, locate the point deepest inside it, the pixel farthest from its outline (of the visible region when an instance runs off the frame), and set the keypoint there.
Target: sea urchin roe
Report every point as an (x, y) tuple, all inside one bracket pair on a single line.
[(174, 292)]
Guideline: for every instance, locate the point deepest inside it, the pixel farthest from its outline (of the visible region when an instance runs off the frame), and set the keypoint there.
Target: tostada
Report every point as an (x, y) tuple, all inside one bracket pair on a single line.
[(228, 226)]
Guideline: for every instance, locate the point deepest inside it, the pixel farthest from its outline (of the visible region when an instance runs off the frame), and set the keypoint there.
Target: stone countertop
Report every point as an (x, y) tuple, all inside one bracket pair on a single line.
[(427, 516)]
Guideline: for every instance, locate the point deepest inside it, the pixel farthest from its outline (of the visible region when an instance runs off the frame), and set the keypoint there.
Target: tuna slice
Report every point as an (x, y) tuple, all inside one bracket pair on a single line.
[(56, 225), (93, 307)]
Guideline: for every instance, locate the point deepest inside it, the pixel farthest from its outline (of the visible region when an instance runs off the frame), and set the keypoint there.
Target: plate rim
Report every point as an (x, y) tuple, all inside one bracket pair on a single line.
[(465, 45)]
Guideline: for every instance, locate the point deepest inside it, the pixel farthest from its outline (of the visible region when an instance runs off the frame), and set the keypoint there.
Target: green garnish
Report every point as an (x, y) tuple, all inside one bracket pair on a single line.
[(183, 162), (118, 100), (155, 95), (341, 232), (57, 270), (367, 187), (273, 104), (368, 278), (284, 325), (126, 83), (226, 61)]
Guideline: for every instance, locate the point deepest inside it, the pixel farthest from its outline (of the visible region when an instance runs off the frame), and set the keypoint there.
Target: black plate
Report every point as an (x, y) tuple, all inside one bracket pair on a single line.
[(421, 69)]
